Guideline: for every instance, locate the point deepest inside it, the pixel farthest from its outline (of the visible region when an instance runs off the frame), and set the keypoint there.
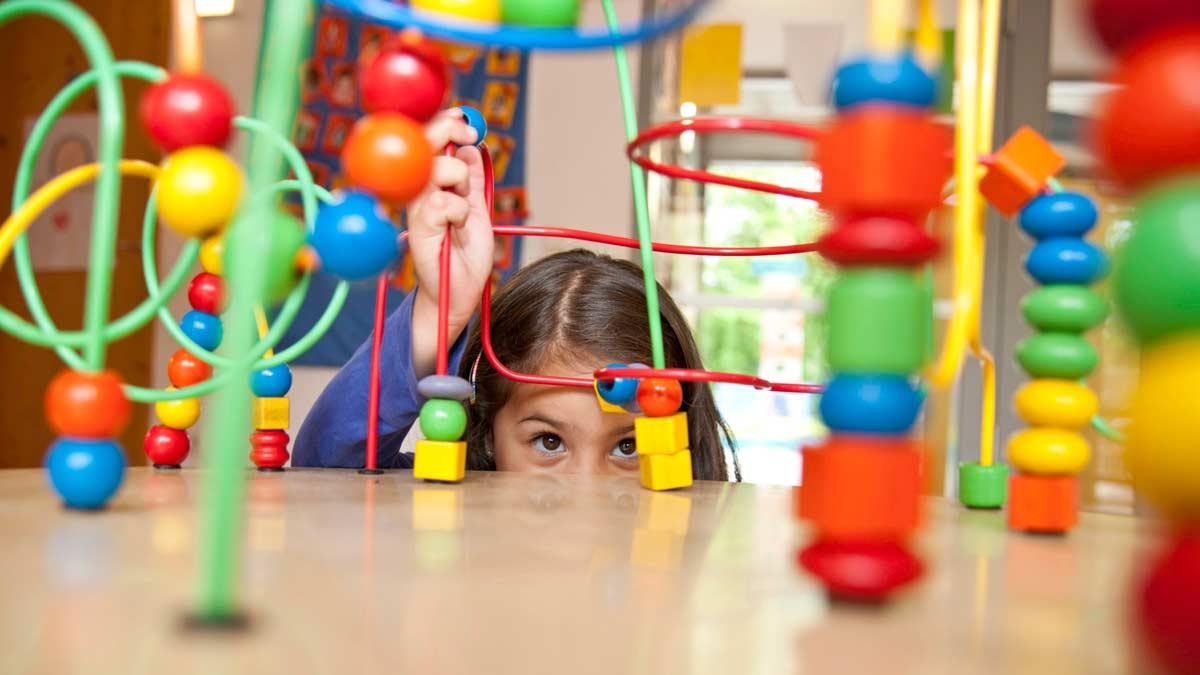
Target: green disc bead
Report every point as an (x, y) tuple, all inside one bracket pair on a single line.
[(542, 13), (279, 242), (1063, 355), (877, 323), (443, 420), (1156, 280), (982, 487), (1064, 309)]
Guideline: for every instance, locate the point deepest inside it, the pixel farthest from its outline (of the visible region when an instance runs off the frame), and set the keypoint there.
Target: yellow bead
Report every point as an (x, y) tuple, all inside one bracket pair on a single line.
[(479, 10), (1050, 452), (1162, 449), (212, 252), (444, 461), (605, 406), (666, 472), (198, 191), (661, 435), (178, 414), (1056, 403), (270, 413)]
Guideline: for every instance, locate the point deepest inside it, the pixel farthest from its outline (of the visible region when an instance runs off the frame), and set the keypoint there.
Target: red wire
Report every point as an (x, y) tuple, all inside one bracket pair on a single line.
[(486, 333), (613, 240), (443, 352), (709, 125), (689, 375), (373, 396)]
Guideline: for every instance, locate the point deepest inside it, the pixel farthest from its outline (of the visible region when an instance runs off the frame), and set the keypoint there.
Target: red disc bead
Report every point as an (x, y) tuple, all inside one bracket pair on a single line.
[(185, 369), (1150, 126), (87, 405), (187, 109), (1122, 23), (387, 155), (861, 570), (878, 241), (1168, 606), (165, 446), (268, 448), (410, 77), (659, 397), (206, 293)]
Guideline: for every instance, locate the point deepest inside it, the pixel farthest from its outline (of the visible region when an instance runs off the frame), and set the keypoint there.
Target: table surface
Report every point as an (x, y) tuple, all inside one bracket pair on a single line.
[(521, 573)]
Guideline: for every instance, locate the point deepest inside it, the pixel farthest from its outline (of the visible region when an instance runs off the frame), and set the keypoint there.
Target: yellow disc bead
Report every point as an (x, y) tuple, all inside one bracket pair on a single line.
[(178, 414), (198, 191), (479, 10), (1162, 449), (1051, 452), (212, 252), (1056, 403)]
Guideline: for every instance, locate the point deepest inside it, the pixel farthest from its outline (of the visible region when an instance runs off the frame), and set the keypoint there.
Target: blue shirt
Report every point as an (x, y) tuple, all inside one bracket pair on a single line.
[(335, 432)]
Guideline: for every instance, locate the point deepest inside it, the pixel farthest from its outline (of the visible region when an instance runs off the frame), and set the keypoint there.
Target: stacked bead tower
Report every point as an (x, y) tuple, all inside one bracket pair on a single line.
[(270, 415), (884, 163), (442, 454), (660, 430), (1148, 137)]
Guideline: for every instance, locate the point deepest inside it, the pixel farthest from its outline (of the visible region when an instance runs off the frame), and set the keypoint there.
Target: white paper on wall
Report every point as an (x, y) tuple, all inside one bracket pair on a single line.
[(811, 53), (58, 239)]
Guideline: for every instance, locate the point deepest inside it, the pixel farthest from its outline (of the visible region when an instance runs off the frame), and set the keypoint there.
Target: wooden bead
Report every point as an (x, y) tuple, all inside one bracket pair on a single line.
[(203, 329), (876, 321), (896, 79), (1047, 504), (1066, 261), (666, 471), (353, 237), (1019, 171), (1059, 214), (1064, 309), (212, 255), (862, 487), (1123, 23), (1061, 355), (661, 435), (185, 369), (206, 293), (1056, 403), (272, 382), (540, 13), (87, 405), (85, 472), (187, 109), (166, 447), (1048, 452), (861, 570), (477, 10), (659, 397), (387, 155), (1167, 604), (878, 241), (443, 420), (870, 404), (442, 461), (180, 414), (409, 77), (199, 190), (268, 449)]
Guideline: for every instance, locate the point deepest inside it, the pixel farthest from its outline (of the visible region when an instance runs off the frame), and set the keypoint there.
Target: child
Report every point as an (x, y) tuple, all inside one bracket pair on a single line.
[(565, 315)]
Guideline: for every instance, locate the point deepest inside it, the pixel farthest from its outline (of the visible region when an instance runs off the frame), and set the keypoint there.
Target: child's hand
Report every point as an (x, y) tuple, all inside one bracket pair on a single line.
[(454, 199)]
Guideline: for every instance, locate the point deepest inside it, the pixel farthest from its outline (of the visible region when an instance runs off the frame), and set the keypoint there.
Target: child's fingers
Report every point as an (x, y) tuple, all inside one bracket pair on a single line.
[(472, 160), (449, 127), (449, 173), (440, 210)]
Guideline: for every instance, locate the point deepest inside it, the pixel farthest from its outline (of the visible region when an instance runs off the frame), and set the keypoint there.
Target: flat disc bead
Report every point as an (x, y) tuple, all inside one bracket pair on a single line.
[(1049, 402), (878, 241), (872, 404), (1064, 308), (1061, 214), (877, 321), (1066, 260), (1060, 355), (896, 79), (444, 386), (1050, 452)]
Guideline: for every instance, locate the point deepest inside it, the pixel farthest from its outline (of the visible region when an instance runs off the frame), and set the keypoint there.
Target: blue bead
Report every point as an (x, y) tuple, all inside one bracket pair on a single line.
[(271, 382), (871, 404), (617, 391), (1062, 214), (203, 329), (883, 79), (476, 120), (85, 473), (1066, 261), (353, 237)]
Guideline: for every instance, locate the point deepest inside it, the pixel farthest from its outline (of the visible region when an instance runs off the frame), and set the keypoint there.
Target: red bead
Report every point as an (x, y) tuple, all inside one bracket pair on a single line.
[(659, 397), (185, 369), (387, 155), (1121, 23), (188, 109), (207, 293), (165, 446), (87, 405), (268, 448), (1150, 126), (1168, 606), (410, 77), (861, 570), (878, 241)]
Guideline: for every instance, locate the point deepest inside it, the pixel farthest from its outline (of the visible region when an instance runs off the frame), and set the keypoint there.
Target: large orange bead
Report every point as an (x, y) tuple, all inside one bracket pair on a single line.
[(387, 155), (87, 405), (659, 397), (185, 369)]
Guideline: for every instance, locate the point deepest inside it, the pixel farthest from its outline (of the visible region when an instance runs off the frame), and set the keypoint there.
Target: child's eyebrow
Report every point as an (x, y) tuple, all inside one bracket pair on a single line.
[(544, 420)]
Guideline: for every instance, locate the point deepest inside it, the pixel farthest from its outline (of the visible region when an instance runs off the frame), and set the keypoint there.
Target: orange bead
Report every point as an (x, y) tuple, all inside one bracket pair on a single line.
[(659, 397), (185, 369), (387, 155), (87, 405), (1042, 503), (1019, 171), (862, 487)]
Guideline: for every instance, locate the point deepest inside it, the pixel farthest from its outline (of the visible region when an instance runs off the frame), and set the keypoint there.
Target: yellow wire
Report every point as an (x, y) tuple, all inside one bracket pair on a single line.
[(260, 320), (929, 35), (887, 24), (189, 55), (22, 218)]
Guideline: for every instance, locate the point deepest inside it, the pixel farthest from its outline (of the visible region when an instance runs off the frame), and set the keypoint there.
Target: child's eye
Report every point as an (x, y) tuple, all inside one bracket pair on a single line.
[(626, 448), (548, 444)]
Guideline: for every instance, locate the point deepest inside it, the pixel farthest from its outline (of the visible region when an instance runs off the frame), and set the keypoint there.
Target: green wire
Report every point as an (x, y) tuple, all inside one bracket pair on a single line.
[(641, 208)]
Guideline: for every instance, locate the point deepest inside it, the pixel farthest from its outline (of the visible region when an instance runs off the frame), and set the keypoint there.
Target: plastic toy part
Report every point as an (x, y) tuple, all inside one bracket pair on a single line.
[(661, 435), (387, 155), (87, 405), (282, 237), (181, 414), (618, 391), (166, 448), (443, 420), (198, 191), (1064, 309), (212, 255), (203, 329), (185, 369), (878, 241), (666, 472), (1060, 355), (605, 406), (206, 293), (270, 414), (409, 77), (543, 13), (271, 382), (477, 10), (268, 449), (1122, 23), (863, 571), (444, 386), (870, 404), (1020, 170), (85, 472), (1059, 214), (1048, 452), (1056, 403), (443, 461), (982, 487), (187, 109), (1046, 504), (895, 78), (1168, 605), (354, 238), (659, 397), (1066, 261), (875, 321), (477, 121), (861, 487)]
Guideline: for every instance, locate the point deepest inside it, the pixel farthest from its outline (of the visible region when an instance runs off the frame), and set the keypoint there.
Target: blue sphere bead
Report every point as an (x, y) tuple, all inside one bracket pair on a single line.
[(870, 404), (1066, 261), (1062, 214), (476, 120), (354, 238), (883, 79), (84, 472), (271, 382), (617, 391), (203, 329)]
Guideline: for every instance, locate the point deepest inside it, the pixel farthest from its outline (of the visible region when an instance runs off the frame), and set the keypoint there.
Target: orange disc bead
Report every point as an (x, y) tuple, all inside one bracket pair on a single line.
[(387, 155), (87, 405), (659, 397), (185, 369)]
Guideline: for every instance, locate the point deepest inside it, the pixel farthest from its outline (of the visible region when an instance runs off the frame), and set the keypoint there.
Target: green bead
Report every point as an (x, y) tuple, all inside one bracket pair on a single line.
[(877, 322), (1065, 309), (1156, 280), (1063, 355), (982, 487), (545, 13), (443, 420), (278, 242)]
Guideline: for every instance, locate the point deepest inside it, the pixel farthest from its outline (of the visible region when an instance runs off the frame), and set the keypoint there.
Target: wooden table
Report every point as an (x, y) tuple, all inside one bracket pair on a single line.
[(520, 573)]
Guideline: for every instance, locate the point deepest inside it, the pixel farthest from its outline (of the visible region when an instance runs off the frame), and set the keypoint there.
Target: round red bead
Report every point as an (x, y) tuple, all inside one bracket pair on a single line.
[(878, 241), (87, 405), (206, 293), (409, 76), (1150, 126), (187, 109), (1168, 605), (268, 448), (165, 446), (860, 570), (659, 397), (1121, 23), (185, 369)]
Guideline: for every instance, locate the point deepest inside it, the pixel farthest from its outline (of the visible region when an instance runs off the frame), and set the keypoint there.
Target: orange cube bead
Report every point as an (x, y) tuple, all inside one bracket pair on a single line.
[(883, 160), (1042, 503), (1020, 170), (859, 487)]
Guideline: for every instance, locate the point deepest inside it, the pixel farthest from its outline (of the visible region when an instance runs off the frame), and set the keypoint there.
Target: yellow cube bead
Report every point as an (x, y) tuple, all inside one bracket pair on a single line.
[(664, 512), (444, 461), (478, 10), (270, 413), (656, 549), (605, 406), (661, 435), (178, 414), (1049, 452), (666, 472), (437, 508), (1049, 402)]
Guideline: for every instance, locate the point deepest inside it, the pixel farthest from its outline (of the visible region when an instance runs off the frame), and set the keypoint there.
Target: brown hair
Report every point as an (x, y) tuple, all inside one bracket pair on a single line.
[(579, 305)]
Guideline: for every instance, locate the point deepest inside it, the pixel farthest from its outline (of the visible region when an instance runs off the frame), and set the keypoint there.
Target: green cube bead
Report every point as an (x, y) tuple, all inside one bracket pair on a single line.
[(443, 420), (542, 13), (982, 487), (1064, 309), (1063, 355), (877, 321)]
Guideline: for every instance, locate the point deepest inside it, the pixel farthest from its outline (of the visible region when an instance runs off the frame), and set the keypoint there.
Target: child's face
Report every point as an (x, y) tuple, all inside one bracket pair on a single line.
[(544, 429)]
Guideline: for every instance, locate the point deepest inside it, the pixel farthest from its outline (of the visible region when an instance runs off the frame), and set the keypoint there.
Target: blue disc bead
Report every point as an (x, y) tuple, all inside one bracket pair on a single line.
[(202, 328), (618, 391), (85, 472), (1066, 261), (353, 237), (895, 79), (870, 404), (477, 122), (1062, 214), (271, 382)]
